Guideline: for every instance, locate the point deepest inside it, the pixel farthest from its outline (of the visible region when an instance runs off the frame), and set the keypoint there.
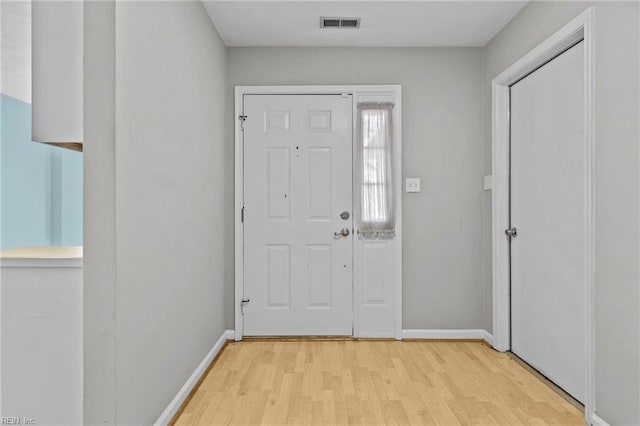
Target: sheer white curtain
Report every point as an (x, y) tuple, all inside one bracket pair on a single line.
[(374, 184)]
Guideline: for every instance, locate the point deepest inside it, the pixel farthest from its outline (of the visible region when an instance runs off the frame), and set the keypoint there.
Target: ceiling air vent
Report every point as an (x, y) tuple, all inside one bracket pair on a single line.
[(339, 22)]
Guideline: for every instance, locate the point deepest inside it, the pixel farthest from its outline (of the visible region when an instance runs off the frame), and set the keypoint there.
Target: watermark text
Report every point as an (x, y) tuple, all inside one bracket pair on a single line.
[(17, 421)]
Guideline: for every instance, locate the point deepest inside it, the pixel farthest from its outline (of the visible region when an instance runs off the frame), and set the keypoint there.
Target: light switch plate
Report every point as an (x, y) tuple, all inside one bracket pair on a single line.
[(488, 182), (412, 185)]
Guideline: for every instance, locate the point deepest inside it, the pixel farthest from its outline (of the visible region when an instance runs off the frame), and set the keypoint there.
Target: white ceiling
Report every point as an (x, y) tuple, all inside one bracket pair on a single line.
[(384, 23)]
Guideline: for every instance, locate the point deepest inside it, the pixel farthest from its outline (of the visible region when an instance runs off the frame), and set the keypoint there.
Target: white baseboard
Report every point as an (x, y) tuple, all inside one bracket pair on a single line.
[(597, 421), (183, 393), (488, 337), (448, 334)]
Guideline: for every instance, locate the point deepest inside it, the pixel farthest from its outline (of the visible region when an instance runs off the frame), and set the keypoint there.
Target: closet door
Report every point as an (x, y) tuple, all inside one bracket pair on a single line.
[(548, 210)]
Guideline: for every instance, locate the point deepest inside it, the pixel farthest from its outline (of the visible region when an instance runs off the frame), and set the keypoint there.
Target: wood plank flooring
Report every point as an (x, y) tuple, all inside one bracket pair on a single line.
[(372, 383)]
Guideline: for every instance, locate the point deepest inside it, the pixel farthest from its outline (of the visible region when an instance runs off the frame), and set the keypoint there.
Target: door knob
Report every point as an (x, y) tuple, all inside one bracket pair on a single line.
[(343, 233)]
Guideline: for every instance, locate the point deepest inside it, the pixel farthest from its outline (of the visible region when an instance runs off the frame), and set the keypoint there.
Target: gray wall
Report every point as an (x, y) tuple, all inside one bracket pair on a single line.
[(158, 187), (442, 144), (616, 170), (155, 186)]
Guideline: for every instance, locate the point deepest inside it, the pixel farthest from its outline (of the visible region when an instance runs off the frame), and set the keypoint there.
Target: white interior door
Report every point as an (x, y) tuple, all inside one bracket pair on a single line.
[(297, 183), (548, 207)]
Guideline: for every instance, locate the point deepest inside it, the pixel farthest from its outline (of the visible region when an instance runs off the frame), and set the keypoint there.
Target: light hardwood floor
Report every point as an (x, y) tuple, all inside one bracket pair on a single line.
[(372, 383)]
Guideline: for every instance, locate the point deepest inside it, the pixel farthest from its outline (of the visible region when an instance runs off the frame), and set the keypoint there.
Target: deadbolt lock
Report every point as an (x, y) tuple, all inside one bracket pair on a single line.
[(345, 215)]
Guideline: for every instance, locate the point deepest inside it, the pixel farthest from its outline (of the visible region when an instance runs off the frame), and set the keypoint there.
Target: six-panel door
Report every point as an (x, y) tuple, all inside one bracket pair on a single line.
[(297, 183)]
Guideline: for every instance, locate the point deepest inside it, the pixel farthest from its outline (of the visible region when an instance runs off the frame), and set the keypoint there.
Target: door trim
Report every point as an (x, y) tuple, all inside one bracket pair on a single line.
[(580, 28), (368, 90)]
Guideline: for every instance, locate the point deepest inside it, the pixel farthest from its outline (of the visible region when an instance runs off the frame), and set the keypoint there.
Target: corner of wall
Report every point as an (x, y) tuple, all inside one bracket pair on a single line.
[(99, 305)]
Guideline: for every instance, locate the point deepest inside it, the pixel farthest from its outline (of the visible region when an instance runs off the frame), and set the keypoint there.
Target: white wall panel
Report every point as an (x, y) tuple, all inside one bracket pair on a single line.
[(41, 333), (375, 274)]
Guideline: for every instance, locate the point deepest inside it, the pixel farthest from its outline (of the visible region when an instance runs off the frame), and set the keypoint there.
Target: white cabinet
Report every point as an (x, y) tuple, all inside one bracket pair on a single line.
[(57, 69)]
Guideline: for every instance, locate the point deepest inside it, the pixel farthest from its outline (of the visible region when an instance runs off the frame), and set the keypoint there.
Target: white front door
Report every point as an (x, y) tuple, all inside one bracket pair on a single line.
[(297, 196), (548, 205)]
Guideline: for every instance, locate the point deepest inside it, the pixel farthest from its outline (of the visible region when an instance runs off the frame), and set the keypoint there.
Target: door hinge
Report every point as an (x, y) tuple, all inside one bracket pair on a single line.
[(511, 233), (242, 215), (242, 119)]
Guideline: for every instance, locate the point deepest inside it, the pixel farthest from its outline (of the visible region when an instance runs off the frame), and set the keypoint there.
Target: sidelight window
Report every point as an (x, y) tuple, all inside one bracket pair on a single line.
[(376, 218)]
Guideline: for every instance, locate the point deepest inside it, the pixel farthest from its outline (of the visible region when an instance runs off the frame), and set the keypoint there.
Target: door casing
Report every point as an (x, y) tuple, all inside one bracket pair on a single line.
[(580, 28), (370, 93)]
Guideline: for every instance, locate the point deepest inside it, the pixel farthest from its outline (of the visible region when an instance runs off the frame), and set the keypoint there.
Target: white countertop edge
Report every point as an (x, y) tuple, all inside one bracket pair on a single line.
[(41, 257)]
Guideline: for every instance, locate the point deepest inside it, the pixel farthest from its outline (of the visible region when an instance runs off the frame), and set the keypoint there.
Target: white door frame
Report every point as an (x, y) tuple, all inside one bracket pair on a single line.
[(580, 28), (370, 91)]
